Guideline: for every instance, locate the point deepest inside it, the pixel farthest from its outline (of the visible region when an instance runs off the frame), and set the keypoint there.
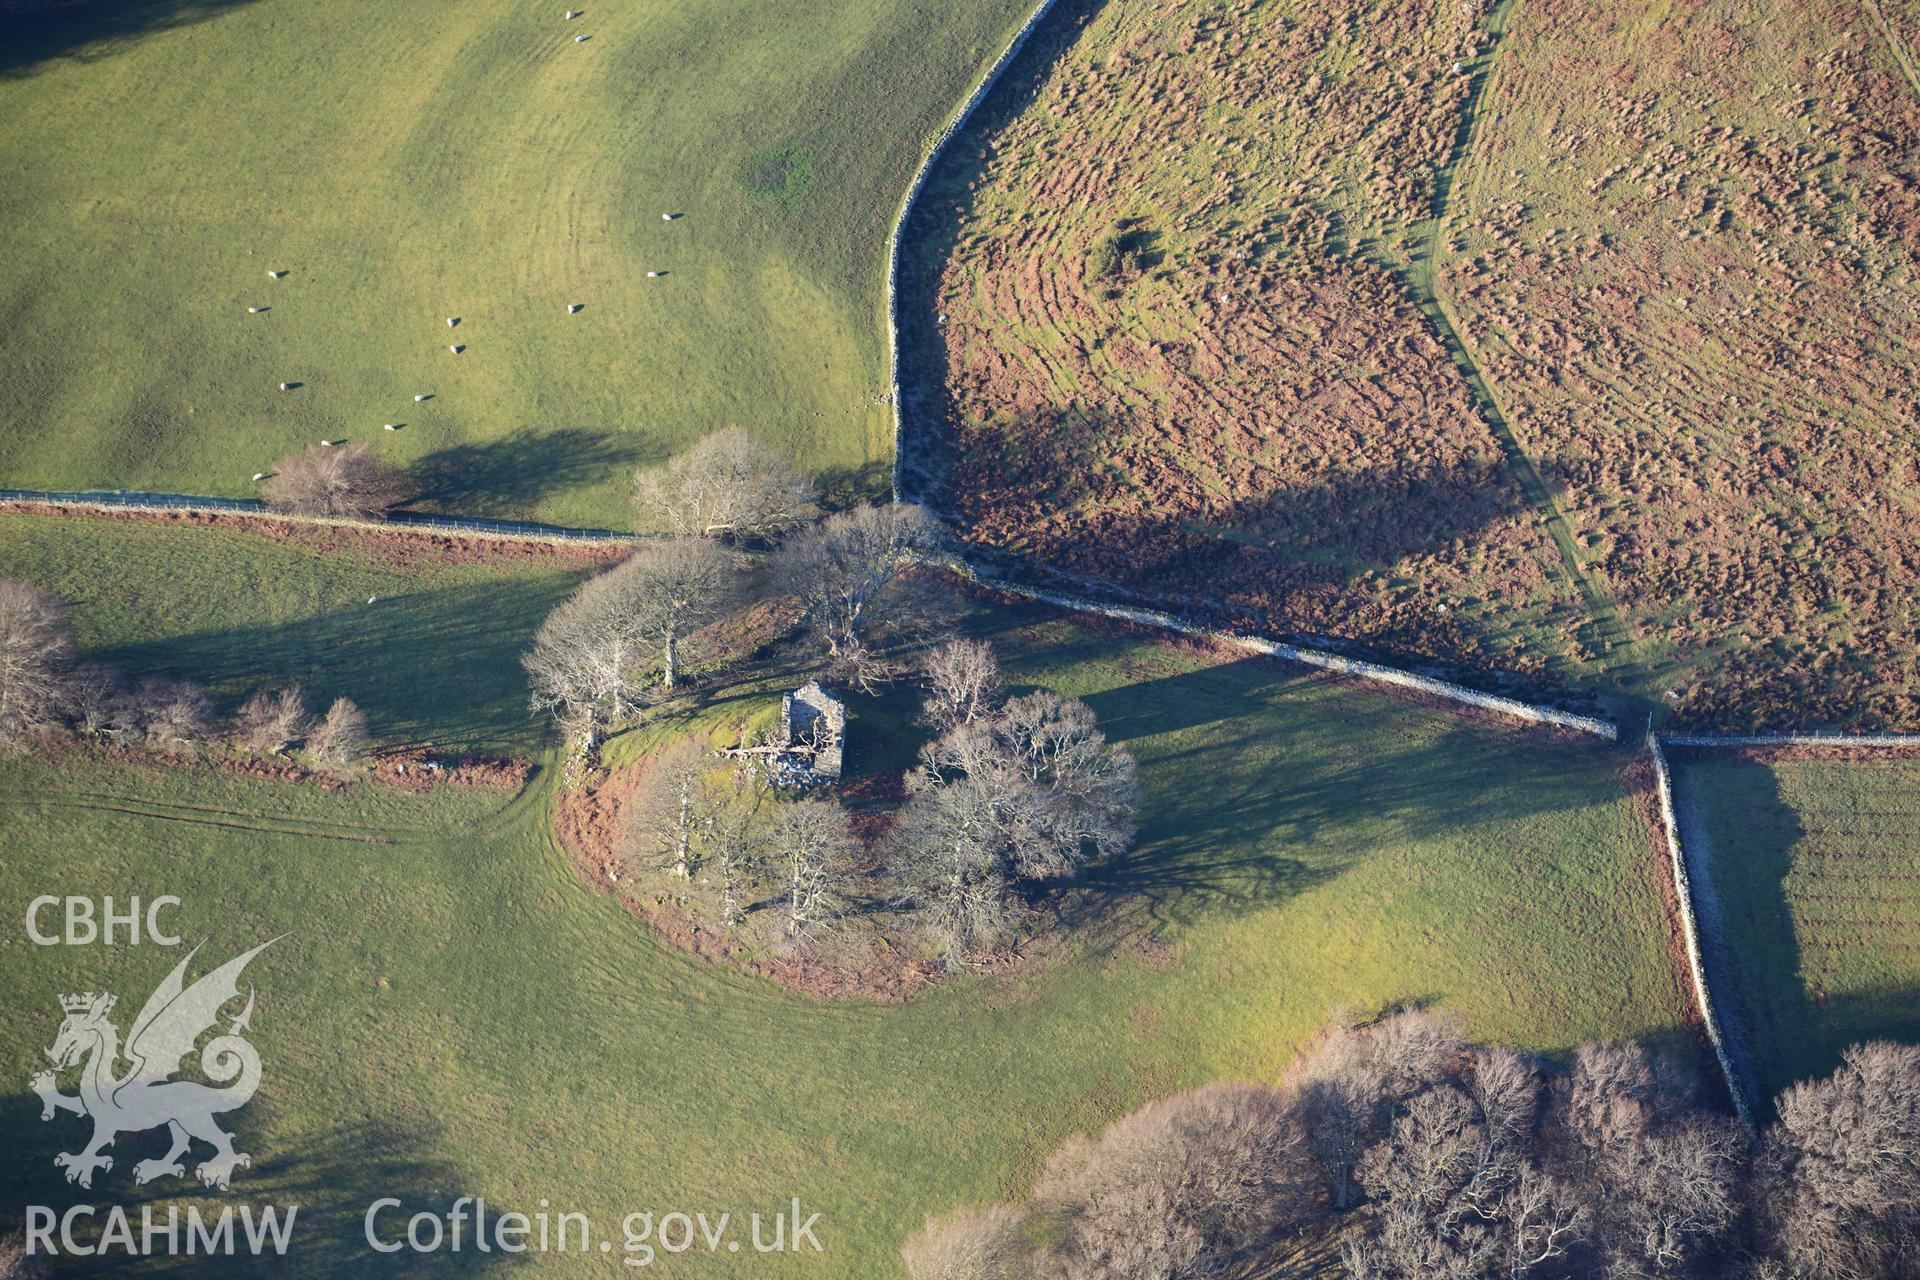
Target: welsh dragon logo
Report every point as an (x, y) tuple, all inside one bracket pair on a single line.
[(145, 1096)]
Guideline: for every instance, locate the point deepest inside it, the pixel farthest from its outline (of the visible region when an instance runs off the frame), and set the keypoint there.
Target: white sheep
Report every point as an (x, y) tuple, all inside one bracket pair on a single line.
[(393, 426), (655, 275), (452, 321), (275, 275), (579, 39), (456, 348), (668, 217), (422, 396), (573, 307), (286, 386), (258, 476), (254, 311), (328, 444)]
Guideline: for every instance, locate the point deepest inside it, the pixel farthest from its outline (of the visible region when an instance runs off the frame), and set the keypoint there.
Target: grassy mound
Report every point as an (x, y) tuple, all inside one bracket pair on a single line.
[(416, 161)]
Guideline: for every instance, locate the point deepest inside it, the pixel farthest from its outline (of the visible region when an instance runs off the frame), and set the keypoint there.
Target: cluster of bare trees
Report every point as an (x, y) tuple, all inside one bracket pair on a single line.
[(1424, 1157), (45, 693), (1013, 793), (616, 644), (720, 826)]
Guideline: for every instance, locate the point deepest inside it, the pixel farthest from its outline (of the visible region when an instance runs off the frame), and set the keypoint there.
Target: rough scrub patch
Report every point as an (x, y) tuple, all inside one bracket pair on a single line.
[(1685, 253), (1158, 332)]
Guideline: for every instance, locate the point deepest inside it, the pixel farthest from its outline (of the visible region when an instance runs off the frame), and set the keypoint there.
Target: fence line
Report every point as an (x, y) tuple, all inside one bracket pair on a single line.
[(1696, 961), (939, 144), (406, 521)]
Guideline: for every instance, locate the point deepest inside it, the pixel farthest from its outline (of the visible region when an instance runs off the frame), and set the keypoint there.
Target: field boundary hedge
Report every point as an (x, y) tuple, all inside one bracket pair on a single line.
[(1690, 927), (988, 80)]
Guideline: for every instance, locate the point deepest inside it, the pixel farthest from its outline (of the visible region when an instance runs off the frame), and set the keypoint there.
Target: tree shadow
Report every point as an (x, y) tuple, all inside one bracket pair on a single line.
[(1782, 1030), (1271, 822), (332, 1179), (843, 487), (91, 30), (510, 477), (437, 667)]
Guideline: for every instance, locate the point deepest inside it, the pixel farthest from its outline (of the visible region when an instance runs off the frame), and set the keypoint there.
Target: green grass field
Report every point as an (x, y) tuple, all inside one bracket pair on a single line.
[(1816, 866), (454, 1012), (434, 660), (411, 161)]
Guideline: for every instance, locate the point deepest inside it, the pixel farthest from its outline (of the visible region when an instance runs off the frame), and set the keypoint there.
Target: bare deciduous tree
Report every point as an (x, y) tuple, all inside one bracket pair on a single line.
[(670, 810), (175, 716), (269, 722), (984, 1244), (1841, 1170), (727, 485), (584, 653), (340, 739), (848, 574), (963, 683), (17, 1264), (1029, 794), (342, 480), (1183, 1187), (97, 697), (1351, 1084), (948, 855), (810, 851), (1057, 791), (36, 646)]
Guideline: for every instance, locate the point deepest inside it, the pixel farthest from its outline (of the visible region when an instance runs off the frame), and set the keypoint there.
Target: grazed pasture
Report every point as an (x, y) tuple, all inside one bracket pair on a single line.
[(411, 161), (455, 1012), (1817, 867)]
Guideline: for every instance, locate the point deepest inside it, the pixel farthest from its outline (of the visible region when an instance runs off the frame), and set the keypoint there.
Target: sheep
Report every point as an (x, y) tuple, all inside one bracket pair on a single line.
[(456, 348), (574, 307), (655, 275), (328, 444), (258, 476), (275, 275), (669, 217), (580, 39), (394, 426), (286, 386), (254, 311), (422, 396), (371, 599), (452, 321)]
